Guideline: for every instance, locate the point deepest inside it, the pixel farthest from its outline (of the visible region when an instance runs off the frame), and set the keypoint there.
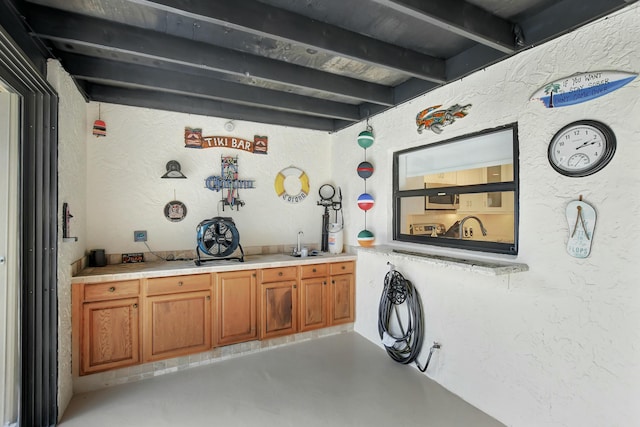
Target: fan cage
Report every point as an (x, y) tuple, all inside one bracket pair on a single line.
[(219, 238)]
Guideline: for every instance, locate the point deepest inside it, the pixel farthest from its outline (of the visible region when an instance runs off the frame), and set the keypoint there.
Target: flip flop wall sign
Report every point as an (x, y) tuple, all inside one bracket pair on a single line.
[(581, 87), (581, 218)]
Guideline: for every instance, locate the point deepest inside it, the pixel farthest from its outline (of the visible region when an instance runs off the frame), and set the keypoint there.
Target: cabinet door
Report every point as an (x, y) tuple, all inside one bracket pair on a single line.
[(313, 303), (110, 335), (442, 179), (236, 307), (177, 324), (342, 299), (278, 306), (472, 203)]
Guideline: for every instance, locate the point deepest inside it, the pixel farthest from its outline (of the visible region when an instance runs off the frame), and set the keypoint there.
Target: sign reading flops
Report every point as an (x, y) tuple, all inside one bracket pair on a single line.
[(193, 139)]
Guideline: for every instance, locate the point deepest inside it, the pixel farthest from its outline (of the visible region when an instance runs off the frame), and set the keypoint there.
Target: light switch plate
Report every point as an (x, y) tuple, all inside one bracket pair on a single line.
[(140, 236)]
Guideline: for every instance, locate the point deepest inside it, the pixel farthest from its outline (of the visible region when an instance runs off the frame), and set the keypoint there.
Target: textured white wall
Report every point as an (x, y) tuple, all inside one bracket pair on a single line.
[(72, 190), (126, 193), (558, 345)]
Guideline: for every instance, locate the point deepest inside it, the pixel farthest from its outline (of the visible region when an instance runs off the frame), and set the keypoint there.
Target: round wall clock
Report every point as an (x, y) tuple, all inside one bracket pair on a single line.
[(582, 148)]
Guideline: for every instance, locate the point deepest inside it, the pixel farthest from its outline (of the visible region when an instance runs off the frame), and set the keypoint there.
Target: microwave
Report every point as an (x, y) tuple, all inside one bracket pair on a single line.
[(442, 201)]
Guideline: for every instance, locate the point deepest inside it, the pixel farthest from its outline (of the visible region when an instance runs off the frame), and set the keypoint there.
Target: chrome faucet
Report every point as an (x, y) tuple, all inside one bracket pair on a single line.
[(298, 248), (463, 220)]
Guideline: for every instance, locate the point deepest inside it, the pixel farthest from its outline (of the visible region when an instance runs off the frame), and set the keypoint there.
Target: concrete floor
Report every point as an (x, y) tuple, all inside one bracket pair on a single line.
[(340, 380)]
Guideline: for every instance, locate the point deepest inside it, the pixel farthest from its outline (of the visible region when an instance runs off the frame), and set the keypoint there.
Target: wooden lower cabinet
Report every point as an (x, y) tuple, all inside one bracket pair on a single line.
[(105, 325), (342, 293), (123, 323), (236, 307), (327, 295), (110, 335), (278, 302), (176, 325), (177, 316), (313, 297), (341, 299)]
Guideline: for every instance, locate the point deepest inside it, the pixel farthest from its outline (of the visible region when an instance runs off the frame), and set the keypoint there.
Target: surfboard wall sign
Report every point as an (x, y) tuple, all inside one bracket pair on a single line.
[(581, 87)]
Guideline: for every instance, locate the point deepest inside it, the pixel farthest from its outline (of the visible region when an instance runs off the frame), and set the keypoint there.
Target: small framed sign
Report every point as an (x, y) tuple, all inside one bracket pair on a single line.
[(131, 258), (175, 211)]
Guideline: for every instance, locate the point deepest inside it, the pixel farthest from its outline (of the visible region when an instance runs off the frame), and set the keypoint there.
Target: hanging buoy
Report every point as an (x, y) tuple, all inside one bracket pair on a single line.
[(365, 170), (365, 139), (99, 128), (365, 201), (366, 238)]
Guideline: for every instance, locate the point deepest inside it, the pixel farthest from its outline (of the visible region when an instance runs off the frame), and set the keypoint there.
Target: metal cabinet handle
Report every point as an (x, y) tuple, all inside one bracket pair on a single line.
[(314, 270), (344, 267), (208, 298), (112, 289), (135, 305), (180, 283), (280, 273), (295, 286)]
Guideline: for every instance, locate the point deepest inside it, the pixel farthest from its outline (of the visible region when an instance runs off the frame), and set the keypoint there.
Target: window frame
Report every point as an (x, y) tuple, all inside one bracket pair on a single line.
[(492, 247)]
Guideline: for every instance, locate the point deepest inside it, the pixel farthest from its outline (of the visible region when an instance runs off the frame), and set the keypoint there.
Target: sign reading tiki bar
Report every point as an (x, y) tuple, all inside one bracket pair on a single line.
[(193, 139)]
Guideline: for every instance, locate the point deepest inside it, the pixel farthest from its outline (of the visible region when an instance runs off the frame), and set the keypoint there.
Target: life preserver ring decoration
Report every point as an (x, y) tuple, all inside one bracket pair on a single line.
[(292, 184)]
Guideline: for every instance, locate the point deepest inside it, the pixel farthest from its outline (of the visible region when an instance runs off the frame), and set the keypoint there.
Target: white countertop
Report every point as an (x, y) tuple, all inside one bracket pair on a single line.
[(175, 268)]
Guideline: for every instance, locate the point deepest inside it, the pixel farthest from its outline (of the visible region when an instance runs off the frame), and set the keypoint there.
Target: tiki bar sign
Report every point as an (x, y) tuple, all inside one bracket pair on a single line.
[(193, 139)]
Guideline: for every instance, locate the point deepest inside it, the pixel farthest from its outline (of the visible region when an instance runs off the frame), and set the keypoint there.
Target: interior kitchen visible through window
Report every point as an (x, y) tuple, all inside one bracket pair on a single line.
[(461, 193)]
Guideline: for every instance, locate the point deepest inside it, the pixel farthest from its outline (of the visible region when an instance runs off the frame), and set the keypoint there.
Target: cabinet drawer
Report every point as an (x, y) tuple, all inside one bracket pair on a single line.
[(316, 270), (165, 285), (111, 290), (277, 274), (342, 268)]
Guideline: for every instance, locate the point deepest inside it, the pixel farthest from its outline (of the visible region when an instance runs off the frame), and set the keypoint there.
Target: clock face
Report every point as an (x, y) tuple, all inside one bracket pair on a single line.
[(582, 148)]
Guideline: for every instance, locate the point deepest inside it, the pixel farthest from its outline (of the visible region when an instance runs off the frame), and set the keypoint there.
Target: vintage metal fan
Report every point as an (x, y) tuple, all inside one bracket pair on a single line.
[(219, 238)]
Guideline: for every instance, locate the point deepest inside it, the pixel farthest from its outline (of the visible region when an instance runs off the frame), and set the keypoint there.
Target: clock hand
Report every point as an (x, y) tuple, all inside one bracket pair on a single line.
[(585, 144)]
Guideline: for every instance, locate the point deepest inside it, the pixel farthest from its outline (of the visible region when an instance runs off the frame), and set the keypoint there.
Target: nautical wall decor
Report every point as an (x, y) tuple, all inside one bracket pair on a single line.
[(193, 139), (173, 170), (292, 184), (581, 87), (435, 120), (581, 218), (228, 181), (365, 200), (99, 126)]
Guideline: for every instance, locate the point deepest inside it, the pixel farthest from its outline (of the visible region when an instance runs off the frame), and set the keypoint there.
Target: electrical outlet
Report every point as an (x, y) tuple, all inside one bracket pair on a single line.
[(140, 236)]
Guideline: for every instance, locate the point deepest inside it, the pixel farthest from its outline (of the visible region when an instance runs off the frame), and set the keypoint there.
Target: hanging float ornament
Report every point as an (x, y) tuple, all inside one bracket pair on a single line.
[(366, 238), (365, 170), (365, 138), (99, 126), (365, 201)]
